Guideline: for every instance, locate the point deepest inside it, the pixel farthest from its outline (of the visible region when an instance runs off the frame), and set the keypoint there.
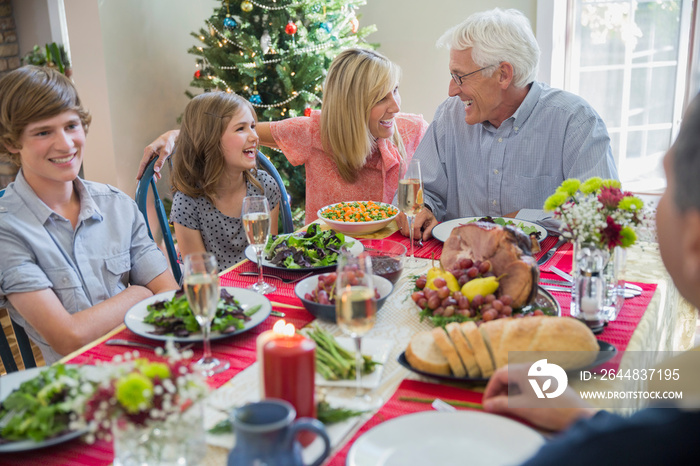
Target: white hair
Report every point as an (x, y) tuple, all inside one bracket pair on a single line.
[(497, 36)]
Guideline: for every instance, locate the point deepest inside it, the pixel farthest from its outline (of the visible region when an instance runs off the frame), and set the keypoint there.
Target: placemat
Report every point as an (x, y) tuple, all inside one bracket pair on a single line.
[(395, 407), (429, 248), (74, 453), (283, 294)]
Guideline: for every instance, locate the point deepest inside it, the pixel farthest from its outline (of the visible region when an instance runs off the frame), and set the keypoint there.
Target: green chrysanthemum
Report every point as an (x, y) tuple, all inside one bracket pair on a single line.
[(612, 184), (631, 203), (156, 369), (569, 186), (627, 237), (134, 391), (591, 185), (555, 200)]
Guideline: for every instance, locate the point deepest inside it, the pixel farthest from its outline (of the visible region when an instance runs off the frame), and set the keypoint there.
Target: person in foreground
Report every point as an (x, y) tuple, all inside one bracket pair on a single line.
[(658, 435), (214, 168), (76, 254), (353, 148), (521, 138)]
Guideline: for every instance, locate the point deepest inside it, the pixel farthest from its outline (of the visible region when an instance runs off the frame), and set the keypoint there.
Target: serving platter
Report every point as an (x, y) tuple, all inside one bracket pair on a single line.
[(247, 299), (375, 348), (605, 353), (355, 249), (454, 438), (443, 230)]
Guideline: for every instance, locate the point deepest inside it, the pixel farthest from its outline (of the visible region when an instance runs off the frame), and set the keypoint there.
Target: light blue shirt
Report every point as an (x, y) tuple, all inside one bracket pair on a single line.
[(108, 250), (477, 170)]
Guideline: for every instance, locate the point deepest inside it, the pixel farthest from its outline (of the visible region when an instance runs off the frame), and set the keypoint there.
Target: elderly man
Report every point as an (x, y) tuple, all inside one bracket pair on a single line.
[(521, 138)]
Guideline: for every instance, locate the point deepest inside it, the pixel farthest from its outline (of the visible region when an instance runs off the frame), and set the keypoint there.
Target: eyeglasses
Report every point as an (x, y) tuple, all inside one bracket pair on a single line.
[(458, 79)]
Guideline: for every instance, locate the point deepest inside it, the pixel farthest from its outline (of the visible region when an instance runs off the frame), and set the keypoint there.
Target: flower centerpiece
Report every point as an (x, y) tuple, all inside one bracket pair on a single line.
[(596, 211), (149, 407)]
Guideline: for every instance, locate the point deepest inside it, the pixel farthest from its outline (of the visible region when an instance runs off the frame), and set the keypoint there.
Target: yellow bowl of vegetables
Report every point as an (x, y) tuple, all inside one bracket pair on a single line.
[(358, 217)]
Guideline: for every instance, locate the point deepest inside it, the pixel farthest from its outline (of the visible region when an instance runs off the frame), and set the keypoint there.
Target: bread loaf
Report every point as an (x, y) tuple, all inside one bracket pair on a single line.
[(467, 350)]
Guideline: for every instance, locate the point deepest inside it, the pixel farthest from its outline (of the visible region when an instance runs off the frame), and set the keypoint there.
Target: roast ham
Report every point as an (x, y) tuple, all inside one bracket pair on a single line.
[(508, 250)]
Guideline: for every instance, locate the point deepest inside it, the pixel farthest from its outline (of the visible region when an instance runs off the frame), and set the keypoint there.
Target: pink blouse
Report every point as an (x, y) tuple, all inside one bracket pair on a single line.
[(300, 140)]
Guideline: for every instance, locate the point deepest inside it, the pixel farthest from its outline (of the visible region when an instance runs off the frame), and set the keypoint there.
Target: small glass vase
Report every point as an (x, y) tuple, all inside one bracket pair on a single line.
[(178, 440), (589, 291), (614, 275)]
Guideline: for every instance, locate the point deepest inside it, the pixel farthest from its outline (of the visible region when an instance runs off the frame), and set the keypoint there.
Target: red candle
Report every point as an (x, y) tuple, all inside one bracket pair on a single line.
[(289, 369)]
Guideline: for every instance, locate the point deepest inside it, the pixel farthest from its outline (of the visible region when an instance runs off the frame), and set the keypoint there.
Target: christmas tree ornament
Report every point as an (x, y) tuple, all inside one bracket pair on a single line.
[(326, 26), (255, 99), (198, 74), (354, 25), (230, 23), (265, 42), (246, 6), (291, 28), (307, 111)]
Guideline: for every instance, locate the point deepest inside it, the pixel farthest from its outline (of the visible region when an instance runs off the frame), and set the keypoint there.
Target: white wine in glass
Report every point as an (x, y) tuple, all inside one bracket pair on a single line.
[(411, 201), (202, 291), (255, 214), (356, 307)]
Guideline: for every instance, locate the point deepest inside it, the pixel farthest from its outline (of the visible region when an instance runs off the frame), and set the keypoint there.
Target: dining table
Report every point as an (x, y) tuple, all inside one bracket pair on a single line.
[(658, 320)]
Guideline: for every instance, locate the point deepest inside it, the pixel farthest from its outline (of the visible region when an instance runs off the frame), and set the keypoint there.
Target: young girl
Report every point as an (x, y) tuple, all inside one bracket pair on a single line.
[(213, 170), (75, 254), (356, 147)]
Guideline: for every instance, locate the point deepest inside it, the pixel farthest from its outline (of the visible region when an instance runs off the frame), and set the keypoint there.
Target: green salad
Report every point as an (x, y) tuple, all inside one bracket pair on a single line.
[(41, 407), (307, 249)]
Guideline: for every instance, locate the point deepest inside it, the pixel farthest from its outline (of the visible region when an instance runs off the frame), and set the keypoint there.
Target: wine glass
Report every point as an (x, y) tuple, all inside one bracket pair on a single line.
[(202, 291), (356, 306), (256, 223), (411, 201)]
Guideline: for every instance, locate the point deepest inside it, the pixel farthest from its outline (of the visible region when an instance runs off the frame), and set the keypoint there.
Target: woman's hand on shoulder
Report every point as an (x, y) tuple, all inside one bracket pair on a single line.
[(162, 147)]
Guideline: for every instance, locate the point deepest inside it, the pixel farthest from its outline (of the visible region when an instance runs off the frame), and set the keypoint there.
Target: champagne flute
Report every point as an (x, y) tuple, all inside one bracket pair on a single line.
[(356, 306), (256, 223), (202, 291), (411, 201)]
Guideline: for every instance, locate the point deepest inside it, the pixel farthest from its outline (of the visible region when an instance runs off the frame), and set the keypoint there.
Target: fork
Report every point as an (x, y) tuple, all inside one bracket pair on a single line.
[(269, 275)]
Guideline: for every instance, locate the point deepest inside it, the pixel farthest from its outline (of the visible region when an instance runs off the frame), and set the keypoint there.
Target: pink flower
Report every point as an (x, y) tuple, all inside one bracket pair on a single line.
[(611, 233), (610, 197)]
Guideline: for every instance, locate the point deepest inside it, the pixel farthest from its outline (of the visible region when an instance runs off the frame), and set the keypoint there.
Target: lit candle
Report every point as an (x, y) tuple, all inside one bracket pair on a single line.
[(276, 332), (289, 368)]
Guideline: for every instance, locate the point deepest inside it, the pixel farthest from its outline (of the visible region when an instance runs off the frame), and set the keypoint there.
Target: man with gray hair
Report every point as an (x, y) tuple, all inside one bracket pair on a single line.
[(522, 138)]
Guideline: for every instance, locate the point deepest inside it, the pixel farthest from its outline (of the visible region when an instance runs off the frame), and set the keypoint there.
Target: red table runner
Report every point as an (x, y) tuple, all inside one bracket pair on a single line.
[(395, 408), (284, 293)]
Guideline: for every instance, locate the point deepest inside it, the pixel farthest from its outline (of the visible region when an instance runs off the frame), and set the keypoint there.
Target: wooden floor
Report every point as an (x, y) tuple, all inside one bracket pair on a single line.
[(10, 334)]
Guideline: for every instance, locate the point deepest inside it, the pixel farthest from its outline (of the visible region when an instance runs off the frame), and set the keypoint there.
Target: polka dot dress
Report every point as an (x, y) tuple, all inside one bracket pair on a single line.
[(222, 235)]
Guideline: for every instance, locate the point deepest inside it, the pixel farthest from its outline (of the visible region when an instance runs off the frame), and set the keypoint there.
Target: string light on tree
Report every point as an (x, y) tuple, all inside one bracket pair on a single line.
[(354, 25)]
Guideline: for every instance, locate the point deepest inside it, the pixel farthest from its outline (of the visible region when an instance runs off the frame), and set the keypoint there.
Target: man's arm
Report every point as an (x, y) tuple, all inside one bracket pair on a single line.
[(587, 150)]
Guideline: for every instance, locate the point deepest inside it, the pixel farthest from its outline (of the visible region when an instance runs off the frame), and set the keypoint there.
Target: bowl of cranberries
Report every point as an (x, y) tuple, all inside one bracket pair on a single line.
[(317, 293)]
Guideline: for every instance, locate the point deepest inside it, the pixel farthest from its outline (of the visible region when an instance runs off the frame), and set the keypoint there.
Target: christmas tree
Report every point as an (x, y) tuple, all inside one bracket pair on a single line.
[(276, 53)]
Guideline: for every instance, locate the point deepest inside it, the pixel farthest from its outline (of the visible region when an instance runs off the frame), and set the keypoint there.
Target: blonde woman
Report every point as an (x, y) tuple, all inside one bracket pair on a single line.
[(214, 168), (356, 147)]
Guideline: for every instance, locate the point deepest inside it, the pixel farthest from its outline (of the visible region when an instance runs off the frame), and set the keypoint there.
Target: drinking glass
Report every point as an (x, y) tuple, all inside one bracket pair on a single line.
[(411, 201), (202, 291), (256, 223), (356, 305)]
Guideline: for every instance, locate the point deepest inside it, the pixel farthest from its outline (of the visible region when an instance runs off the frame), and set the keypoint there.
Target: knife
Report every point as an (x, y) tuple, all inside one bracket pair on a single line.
[(570, 279), (548, 255)]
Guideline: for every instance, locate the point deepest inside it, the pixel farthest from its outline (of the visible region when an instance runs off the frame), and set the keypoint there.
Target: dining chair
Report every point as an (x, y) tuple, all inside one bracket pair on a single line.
[(285, 207), (142, 188)]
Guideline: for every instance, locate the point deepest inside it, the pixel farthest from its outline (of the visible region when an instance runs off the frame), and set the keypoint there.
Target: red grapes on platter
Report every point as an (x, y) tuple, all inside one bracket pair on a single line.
[(324, 293)]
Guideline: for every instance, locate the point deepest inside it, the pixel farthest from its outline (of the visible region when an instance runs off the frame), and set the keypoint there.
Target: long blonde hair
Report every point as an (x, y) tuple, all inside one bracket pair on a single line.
[(357, 80), (198, 163)]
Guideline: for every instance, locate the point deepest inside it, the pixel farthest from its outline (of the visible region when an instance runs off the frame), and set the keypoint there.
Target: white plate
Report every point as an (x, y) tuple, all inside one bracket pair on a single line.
[(11, 382), (355, 249), (357, 228), (375, 348), (458, 438), (443, 230), (247, 298)]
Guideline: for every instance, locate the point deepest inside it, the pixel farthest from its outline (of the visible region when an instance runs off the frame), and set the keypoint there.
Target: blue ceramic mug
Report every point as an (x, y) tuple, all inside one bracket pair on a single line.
[(266, 434)]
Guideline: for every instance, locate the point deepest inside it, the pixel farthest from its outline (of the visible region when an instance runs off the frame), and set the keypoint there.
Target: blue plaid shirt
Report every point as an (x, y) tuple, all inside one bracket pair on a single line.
[(476, 170)]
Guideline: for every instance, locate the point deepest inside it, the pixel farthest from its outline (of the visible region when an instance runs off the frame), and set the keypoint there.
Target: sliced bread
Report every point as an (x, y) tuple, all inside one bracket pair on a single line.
[(448, 349), (424, 354), (476, 341), (491, 333), (463, 349)]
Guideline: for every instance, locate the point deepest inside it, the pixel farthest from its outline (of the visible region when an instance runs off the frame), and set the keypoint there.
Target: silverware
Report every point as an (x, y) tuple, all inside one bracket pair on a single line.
[(277, 313), (548, 255), (269, 275), (566, 288), (138, 344), (570, 279)]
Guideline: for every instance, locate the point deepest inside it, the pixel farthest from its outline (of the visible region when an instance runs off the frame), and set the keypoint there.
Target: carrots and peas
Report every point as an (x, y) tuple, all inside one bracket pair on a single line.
[(359, 211)]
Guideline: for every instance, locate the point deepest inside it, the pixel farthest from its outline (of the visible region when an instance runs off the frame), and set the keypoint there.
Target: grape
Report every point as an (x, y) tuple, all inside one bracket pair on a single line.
[(329, 279), (463, 302), (439, 311), (416, 295), (456, 295), (497, 305), (434, 302), (449, 301), (422, 302), (462, 280), (507, 311), (484, 267), (429, 292), (421, 282), (490, 314), (443, 292), (506, 300), (439, 282), (472, 272), (538, 312), (490, 298), (462, 312), (449, 311), (477, 301), (309, 297), (323, 297), (465, 263)]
